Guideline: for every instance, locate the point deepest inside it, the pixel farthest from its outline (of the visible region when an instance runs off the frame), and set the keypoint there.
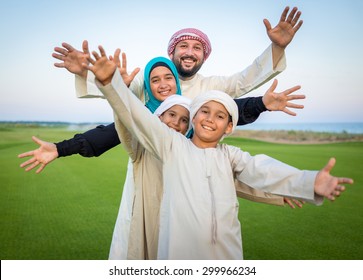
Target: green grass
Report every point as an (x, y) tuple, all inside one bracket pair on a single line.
[(69, 210)]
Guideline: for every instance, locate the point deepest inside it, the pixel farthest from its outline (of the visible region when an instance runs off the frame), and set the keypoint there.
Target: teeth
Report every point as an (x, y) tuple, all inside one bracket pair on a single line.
[(207, 128), (188, 60)]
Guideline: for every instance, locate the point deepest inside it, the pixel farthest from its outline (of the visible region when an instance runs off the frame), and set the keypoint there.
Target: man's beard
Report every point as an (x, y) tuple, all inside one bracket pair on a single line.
[(186, 73)]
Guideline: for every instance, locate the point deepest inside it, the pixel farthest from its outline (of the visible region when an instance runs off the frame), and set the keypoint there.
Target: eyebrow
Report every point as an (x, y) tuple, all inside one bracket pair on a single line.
[(158, 76), (218, 111)]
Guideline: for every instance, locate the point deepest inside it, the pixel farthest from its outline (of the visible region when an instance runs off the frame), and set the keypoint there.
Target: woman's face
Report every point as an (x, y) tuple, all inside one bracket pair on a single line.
[(162, 83)]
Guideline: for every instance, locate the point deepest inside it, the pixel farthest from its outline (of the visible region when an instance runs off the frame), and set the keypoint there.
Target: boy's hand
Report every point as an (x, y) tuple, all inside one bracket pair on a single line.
[(122, 67), (327, 185), (101, 66)]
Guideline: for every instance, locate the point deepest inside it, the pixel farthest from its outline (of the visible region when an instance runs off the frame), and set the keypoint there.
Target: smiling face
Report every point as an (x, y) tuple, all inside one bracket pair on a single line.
[(177, 118), (162, 83), (188, 58), (211, 122)]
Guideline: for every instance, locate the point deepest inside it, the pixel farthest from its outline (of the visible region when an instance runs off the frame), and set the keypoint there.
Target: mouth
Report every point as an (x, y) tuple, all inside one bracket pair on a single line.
[(207, 128), (164, 92), (188, 60)]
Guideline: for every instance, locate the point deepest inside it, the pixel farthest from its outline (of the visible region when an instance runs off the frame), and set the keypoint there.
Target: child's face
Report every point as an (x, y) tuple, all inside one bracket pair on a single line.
[(177, 118), (162, 83), (211, 122)]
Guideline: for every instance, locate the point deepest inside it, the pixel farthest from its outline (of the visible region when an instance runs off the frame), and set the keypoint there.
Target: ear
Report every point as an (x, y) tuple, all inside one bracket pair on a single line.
[(229, 128), (171, 56)]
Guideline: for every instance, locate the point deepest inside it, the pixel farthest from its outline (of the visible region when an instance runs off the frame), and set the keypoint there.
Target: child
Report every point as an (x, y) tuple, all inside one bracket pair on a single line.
[(199, 208)]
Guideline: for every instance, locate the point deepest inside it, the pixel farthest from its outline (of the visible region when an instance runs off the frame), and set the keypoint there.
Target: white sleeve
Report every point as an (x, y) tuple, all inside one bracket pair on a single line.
[(153, 135), (270, 175), (254, 76), (87, 88)]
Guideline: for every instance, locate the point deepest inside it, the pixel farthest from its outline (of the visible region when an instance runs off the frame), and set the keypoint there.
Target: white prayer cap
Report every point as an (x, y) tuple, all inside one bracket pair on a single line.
[(171, 101), (218, 96)]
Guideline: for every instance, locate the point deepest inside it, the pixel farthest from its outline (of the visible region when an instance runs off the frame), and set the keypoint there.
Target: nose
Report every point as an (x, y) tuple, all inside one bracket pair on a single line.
[(209, 118), (189, 51)]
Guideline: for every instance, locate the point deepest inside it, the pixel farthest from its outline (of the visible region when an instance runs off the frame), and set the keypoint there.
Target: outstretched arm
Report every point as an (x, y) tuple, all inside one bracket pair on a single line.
[(46, 153), (283, 33), (250, 108), (329, 186), (92, 143)]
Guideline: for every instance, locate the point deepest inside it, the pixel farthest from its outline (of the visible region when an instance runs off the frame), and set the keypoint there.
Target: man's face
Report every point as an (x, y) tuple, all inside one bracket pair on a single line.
[(188, 58)]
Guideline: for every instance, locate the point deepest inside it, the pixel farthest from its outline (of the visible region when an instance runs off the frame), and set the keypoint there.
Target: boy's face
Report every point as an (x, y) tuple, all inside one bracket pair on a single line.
[(162, 83), (211, 122), (188, 57), (177, 118)]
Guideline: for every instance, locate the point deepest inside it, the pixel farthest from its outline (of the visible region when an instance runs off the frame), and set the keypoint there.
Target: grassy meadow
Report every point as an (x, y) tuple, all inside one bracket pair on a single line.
[(68, 211)]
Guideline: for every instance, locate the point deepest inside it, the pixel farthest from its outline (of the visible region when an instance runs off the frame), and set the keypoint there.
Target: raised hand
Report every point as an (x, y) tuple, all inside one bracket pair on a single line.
[(282, 101), (101, 66), (72, 59), (46, 153), (283, 33), (122, 67), (327, 185)]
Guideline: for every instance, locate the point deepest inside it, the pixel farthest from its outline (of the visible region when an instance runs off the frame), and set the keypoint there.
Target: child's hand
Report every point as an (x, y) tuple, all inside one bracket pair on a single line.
[(327, 185), (101, 66), (122, 67)]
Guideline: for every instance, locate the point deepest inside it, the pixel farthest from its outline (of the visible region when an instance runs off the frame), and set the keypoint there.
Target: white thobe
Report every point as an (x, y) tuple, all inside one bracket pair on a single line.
[(259, 72), (199, 208)]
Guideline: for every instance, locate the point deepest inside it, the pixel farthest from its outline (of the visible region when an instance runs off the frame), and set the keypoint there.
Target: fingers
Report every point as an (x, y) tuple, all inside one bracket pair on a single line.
[(292, 15), (293, 202), (61, 51), (102, 50), (267, 24), (85, 47), (298, 203), (289, 112), (295, 106), (116, 58), (134, 73), (329, 165), (37, 140), (345, 181), (30, 161), (291, 90), (68, 47), (273, 86), (26, 154), (124, 61), (296, 18), (35, 164), (297, 27), (40, 169), (284, 13)]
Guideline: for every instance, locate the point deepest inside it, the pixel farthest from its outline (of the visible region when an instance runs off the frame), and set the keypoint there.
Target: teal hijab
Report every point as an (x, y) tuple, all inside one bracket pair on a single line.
[(150, 101)]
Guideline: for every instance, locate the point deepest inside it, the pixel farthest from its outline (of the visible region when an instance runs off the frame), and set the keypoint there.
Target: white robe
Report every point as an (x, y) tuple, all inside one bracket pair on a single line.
[(199, 208), (259, 72)]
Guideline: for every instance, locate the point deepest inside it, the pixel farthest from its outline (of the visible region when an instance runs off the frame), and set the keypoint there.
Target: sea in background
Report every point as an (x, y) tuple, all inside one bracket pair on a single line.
[(343, 127), (346, 127)]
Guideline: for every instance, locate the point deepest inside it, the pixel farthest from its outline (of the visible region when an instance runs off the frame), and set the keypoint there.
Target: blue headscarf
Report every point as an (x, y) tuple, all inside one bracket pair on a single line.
[(150, 101)]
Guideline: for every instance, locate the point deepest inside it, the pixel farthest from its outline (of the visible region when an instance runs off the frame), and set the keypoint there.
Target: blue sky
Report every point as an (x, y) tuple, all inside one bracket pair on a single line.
[(325, 57)]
